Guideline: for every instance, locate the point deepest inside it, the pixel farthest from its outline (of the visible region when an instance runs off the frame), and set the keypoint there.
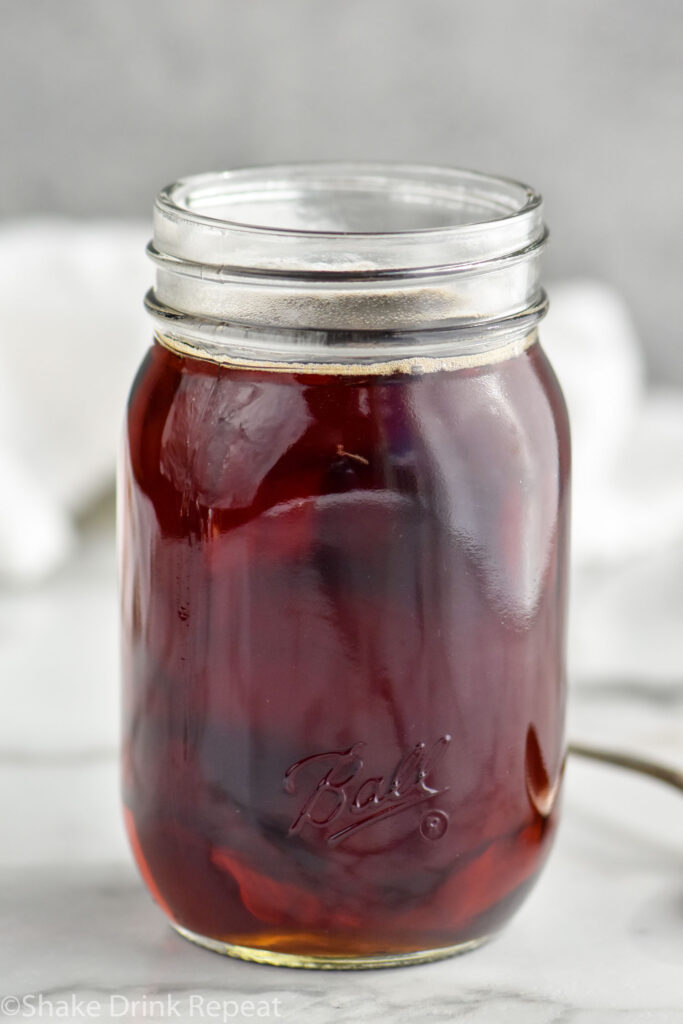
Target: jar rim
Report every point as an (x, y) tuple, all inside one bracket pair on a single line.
[(189, 193), (347, 247), (259, 218)]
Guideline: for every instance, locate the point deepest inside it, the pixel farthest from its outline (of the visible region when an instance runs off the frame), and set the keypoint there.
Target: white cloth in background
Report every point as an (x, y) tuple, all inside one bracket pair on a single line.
[(73, 330), (627, 439)]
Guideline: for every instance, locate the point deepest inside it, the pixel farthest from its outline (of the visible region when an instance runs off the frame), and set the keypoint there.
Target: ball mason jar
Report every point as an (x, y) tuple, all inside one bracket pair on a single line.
[(343, 543)]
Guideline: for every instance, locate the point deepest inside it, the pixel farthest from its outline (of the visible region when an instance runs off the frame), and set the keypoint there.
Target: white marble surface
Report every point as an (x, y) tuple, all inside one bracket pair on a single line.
[(600, 941)]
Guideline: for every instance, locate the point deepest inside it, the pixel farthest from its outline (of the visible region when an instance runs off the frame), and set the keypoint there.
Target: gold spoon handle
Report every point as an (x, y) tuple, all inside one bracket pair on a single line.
[(634, 764)]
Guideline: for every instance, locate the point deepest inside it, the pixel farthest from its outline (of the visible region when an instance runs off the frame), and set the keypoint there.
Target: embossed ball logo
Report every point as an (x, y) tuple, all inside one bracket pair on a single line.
[(341, 801)]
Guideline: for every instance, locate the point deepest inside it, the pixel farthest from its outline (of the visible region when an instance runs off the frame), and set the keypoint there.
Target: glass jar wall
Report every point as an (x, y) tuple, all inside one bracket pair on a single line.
[(344, 512)]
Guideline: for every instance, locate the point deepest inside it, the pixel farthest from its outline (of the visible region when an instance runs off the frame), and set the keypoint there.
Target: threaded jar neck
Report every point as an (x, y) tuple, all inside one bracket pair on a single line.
[(345, 262)]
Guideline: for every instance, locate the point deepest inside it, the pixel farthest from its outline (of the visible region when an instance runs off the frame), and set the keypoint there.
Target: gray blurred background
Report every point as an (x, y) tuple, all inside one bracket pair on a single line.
[(102, 103)]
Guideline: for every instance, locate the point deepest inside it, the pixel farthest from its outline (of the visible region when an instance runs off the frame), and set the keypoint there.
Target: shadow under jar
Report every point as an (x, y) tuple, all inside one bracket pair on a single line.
[(343, 544)]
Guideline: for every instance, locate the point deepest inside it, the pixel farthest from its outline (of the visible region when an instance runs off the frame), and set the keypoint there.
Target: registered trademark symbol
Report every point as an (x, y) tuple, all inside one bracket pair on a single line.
[(434, 825)]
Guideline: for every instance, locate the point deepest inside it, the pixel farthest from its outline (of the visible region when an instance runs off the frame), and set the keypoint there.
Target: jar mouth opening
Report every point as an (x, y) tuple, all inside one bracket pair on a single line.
[(345, 218), (341, 200), (347, 247)]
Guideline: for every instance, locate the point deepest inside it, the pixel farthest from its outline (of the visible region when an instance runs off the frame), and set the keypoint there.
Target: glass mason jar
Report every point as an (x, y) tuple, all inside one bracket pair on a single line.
[(343, 538)]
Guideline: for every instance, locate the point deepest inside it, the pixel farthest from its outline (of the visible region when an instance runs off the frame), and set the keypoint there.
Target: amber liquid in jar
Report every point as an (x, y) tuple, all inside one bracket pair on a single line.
[(343, 609)]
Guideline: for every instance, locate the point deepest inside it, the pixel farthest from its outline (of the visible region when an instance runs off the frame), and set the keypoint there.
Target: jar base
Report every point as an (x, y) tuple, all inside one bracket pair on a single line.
[(274, 958)]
